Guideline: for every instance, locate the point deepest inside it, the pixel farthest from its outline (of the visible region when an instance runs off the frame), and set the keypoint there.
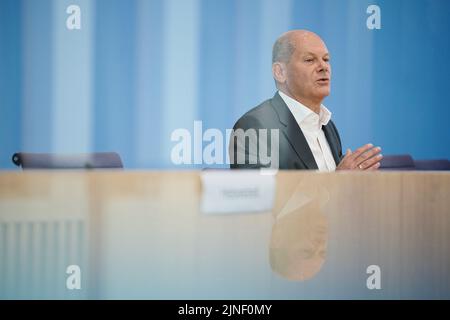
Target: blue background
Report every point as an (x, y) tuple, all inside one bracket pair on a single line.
[(137, 70)]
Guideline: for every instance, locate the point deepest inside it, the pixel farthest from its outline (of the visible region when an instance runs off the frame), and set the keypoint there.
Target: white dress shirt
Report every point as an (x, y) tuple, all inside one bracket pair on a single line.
[(311, 125)]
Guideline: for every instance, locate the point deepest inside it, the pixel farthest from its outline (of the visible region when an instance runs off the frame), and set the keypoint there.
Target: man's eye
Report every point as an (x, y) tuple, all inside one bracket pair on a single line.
[(309, 60)]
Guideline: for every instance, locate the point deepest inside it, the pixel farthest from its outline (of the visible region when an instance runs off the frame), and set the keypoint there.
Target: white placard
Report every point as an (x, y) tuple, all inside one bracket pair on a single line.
[(234, 191)]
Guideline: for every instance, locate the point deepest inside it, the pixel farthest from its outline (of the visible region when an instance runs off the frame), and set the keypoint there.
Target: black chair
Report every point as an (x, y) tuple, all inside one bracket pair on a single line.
[(437, 164), (397, 162), (104, 160)]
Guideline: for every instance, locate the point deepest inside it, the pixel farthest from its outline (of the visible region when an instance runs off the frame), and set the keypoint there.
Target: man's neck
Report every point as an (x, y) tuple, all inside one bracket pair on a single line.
[(310, 104)]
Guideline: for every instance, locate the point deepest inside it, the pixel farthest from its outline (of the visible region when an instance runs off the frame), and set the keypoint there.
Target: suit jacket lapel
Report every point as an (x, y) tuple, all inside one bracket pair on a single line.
[(331, 138), (293, 132)]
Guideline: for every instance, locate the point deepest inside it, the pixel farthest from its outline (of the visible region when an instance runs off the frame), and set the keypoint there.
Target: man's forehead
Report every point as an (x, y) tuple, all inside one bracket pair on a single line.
[(308, 42), (319, 51)]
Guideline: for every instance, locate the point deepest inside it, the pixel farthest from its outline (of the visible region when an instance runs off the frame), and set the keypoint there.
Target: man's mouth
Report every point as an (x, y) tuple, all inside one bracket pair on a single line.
[(323, 80)]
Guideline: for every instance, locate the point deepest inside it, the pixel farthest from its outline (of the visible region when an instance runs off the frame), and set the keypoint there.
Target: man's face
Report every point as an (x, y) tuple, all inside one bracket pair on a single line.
[(308, 72)]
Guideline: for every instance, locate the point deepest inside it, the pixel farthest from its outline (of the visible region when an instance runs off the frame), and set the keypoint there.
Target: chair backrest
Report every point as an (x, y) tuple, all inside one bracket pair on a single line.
[(436, 164), (105, 160), (397, 162)]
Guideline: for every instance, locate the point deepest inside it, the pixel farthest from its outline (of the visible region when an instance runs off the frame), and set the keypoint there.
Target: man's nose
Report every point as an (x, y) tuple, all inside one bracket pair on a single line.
[(323, 67)]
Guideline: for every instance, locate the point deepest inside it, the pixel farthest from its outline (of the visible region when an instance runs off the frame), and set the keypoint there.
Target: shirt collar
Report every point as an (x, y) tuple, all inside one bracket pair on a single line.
[(302, 113)]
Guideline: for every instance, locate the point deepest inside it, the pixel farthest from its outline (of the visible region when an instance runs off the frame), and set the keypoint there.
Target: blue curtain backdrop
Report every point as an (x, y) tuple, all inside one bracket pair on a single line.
[(137, 70)]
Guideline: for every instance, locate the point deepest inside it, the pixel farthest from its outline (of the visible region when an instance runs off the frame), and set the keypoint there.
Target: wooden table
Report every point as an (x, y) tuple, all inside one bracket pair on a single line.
[(140, 234)]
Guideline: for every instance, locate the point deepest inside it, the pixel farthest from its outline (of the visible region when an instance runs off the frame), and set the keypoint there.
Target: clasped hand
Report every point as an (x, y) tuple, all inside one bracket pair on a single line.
[(366, 157)]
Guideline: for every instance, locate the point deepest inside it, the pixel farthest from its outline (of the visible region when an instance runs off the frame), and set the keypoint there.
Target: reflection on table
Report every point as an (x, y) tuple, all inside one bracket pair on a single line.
[(142, 235)]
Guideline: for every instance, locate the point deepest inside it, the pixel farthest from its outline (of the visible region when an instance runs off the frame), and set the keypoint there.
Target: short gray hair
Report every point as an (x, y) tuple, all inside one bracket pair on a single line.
[(283, 49)]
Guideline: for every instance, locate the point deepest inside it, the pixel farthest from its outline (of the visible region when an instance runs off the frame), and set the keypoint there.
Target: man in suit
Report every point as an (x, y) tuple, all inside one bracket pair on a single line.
[(294, 125)]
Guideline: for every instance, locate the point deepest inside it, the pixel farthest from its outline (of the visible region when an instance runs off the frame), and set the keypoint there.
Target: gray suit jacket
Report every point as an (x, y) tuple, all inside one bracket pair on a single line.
[(294, 151)]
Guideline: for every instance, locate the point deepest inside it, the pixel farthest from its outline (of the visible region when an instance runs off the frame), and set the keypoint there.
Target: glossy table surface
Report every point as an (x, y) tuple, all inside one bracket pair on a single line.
[(140, 234)]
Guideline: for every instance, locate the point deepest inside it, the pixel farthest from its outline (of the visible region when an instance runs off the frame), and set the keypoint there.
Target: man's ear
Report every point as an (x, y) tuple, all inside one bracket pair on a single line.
[(279, 72)]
